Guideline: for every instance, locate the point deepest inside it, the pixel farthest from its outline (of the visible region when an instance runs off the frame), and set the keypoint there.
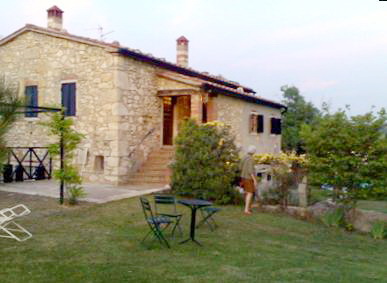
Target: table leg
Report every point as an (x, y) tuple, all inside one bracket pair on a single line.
[(193, 226), (193, 223)]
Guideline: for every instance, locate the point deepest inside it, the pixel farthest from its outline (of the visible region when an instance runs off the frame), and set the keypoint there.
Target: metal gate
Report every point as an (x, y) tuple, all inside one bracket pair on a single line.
[(27, 163)]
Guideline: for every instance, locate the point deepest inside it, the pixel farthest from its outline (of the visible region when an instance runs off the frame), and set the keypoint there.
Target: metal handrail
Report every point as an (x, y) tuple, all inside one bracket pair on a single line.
[(142, 140)]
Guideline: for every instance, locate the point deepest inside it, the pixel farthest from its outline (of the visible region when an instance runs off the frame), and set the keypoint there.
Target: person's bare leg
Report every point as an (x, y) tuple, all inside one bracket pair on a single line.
[(248, 200)]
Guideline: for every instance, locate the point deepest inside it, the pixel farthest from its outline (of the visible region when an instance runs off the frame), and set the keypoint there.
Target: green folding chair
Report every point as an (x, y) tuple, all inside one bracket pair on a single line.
[(155, 222), (166, 205), (208, 217)]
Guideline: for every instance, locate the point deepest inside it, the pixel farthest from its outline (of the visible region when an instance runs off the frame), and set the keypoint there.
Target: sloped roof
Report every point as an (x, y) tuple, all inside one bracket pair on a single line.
[(217, 83)]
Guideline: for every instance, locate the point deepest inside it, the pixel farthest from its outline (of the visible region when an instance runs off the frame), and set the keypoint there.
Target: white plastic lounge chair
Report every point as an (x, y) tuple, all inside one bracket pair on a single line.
[(8, 227)]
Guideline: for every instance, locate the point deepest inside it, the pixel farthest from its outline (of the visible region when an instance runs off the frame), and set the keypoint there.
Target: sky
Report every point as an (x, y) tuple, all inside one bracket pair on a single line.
[(334, 51)]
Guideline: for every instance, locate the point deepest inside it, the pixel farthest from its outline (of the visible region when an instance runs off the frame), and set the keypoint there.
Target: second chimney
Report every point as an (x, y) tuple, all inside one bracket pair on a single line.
[(182, 52), (54, 18)]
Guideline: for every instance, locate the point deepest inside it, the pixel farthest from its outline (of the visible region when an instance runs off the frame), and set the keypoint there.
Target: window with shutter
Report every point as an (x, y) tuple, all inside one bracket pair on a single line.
[(279, 127), (275, 126), (69, 98), (260, 123), (31, 96), (253, 123)]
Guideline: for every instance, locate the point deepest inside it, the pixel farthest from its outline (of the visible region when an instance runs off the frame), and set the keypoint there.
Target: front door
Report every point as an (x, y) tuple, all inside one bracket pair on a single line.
[(168, 103)]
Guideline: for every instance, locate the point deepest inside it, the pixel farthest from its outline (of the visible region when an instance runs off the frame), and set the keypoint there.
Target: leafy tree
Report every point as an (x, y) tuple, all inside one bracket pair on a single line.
[(299, 112), (59, 126), (349, 154), (9, 103), (206, 162)]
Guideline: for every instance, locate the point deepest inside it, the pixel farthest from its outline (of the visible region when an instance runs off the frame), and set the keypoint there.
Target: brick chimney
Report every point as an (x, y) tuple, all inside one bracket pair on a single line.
[(54, 18), (182, 52)]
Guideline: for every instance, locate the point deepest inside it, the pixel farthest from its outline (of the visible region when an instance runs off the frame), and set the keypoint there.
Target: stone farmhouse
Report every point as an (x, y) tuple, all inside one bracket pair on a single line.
[(127, 104)]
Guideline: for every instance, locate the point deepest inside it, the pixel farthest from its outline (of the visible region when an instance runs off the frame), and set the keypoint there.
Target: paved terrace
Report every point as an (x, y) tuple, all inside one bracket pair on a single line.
[(96, 193)]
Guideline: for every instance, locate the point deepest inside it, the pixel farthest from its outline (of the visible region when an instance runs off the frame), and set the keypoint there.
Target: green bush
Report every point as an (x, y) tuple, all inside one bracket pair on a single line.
[(206, 162), (379, 230), (334, 218)]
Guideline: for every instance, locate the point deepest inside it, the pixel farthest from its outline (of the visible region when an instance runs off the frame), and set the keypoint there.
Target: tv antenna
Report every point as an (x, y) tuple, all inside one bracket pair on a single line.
[(102, 34)]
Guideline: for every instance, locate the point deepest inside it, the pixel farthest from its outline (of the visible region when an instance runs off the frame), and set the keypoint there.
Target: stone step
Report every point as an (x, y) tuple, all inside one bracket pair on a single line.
[(150, 174), (159, 158), (150, 180), (154, 169)]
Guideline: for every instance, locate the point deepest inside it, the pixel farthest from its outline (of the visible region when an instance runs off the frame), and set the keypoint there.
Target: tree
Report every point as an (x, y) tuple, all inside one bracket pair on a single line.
[(206, 162), (348, 154), (9, 103), (299, 112), (63, 127)]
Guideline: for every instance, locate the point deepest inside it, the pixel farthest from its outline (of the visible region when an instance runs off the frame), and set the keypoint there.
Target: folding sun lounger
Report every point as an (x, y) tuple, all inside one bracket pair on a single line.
[(9, 228)]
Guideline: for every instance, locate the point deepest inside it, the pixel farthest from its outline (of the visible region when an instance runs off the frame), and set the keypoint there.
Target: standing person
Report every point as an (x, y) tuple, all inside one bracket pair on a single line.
[(248, 178)]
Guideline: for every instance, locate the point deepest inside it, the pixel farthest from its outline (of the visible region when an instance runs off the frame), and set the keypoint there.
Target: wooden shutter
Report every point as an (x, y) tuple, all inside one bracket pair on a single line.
[(253, 123), (31, 93), (69, 98), (260, 124), (279, 126), (273, 125)]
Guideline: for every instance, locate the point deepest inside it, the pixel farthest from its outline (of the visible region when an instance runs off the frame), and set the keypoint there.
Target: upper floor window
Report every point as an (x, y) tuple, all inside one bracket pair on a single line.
[(31, 97), (275, 126), (69, 98), (256, 123)]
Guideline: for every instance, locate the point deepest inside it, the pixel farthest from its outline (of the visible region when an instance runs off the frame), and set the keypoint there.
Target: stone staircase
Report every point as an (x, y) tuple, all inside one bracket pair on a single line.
[(155, 169)]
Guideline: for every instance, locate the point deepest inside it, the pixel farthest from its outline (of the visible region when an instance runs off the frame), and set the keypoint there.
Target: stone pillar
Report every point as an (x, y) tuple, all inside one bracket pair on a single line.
[(196, 107), (303, 193), (54, 18), (182, 52)]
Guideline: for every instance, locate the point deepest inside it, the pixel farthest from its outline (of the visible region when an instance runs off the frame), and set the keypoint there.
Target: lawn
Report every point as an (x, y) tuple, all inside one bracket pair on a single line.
[(380, 206), (101, 243)]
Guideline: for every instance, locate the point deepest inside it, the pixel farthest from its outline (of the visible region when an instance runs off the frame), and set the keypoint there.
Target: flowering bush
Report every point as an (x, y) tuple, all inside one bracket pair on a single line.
[(287, 169), (206, 162)]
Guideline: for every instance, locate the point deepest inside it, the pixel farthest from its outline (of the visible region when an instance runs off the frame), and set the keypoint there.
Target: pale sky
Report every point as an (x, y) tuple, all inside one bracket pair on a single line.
[(334, 51)]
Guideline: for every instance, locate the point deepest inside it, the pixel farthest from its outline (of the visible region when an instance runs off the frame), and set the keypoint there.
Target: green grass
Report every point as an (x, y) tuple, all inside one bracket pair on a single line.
[(380, 206), (101, 243)]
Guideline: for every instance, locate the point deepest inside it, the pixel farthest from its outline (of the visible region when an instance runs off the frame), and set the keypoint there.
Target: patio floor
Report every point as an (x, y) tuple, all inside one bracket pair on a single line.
[(96, 193)]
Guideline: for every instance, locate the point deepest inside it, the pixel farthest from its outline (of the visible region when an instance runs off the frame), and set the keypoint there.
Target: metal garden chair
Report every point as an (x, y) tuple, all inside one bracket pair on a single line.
[(208, 217), (207, 212), (11, 229), (166, 205), (155, 222)]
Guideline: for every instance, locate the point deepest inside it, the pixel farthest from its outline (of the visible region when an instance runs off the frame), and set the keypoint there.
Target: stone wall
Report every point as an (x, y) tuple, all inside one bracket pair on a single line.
[(236, 113), (139, 115), (46, 61)]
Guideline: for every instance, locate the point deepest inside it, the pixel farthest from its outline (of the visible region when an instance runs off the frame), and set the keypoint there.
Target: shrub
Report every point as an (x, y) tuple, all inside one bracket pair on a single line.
[(287, 170), (335, 218), (379, 230), (206, 162), (74, 193)]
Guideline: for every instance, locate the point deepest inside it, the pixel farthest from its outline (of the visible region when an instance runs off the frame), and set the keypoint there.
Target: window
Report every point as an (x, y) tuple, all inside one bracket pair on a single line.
[(99, 163), (275, 126), (256, 123), (31, 93), (260, 123), (69, 98)]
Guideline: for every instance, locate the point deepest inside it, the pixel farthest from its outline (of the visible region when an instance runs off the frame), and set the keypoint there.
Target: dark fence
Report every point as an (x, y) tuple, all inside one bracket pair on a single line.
[(27, 163)]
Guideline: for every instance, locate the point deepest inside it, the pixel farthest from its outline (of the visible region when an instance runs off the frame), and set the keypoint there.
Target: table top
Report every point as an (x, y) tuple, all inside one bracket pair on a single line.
[(194, 202)]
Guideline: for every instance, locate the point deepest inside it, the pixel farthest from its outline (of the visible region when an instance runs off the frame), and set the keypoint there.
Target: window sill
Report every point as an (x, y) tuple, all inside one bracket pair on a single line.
[(31, 119)]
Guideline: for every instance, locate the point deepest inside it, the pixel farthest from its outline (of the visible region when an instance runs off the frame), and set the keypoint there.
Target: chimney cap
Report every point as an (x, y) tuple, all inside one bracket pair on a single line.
[(182, 39), (55, 9)]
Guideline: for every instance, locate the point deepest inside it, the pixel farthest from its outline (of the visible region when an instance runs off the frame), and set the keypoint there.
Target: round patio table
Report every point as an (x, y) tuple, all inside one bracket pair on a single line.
[(194, 204)]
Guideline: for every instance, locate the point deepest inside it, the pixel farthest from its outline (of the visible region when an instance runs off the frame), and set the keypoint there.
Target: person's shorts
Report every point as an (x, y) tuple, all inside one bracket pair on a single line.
[(248, 185)]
